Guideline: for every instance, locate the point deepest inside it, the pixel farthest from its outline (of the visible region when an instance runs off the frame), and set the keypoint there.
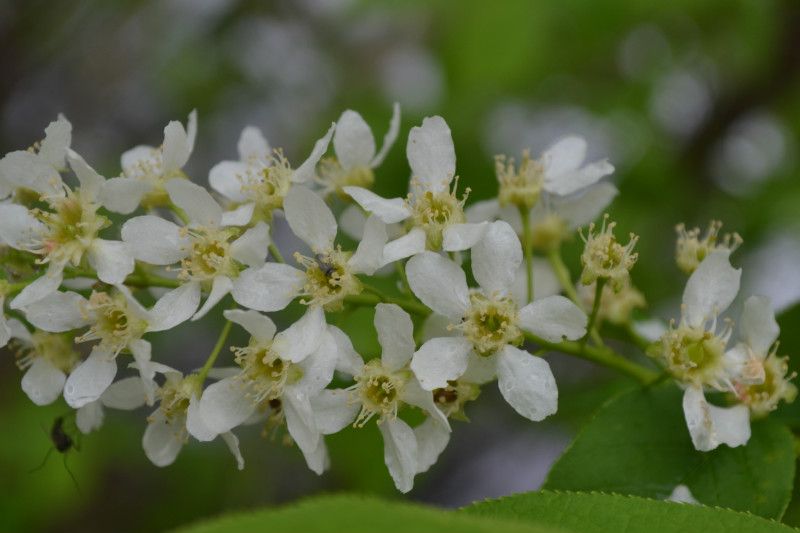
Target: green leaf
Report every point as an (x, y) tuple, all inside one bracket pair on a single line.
[(613, 513), (638, 444), (355, 514)]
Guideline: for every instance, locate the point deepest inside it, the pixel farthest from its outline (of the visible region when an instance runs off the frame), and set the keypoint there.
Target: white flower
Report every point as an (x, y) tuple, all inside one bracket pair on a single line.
[(330, 273), (383, 386), (210, 248), (38, 169), (65, 234), (147, 169), (491, 323), (710, 426), (118, 321), (436, 214), (278, 373), (355, 159), (261, 178), (682, 494), (126, 394)]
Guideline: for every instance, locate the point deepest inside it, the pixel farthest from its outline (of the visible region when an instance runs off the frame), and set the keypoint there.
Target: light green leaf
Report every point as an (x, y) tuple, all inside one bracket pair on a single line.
[(612, 513), (638, 444)]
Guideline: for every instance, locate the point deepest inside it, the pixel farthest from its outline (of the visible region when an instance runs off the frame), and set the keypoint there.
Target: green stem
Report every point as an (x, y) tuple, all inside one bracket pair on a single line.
[(527, 246), (275, 253), (562, 274), (401, 272), (223, 336), (598, 354), (590, 327), (180, 213), (374, 299)]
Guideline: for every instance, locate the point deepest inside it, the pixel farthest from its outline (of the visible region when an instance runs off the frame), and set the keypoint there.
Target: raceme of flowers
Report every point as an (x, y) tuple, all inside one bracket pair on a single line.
[(92, 268)]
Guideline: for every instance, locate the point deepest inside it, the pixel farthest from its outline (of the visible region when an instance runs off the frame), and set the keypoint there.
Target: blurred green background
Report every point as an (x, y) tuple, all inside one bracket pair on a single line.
[(696, 103)]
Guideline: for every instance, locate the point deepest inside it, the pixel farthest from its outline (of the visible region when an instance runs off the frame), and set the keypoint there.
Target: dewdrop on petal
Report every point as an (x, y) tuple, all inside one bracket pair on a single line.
[(690, 249), (604, 257)]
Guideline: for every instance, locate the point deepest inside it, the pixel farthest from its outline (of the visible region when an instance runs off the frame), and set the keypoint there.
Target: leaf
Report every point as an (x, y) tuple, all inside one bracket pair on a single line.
[(638, 444), (613, 513), (355, 514)]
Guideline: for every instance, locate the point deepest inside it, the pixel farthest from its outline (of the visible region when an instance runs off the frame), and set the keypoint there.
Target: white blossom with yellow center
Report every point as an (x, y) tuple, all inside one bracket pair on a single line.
[(261, 178), (490, 323)]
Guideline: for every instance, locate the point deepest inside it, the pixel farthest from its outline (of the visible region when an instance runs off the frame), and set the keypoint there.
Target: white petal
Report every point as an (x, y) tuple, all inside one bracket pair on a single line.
[(225, 405), (90, 379), (300, 419), (411, 243), (16, 329), (299, 340), (682, 494), (710, 289), (414, 394), (89, 417), (553, 319), (60, 311), (177, 145), (89, 179), (395, 334), (545, 282), (353, 141), (28, 170), (57, 139), (432, 439), (745, 366), (198, 204), (251, 247), (527, 383), (483, 211), (240, 216), (480, 368), (5, 328), (399, 452), (565, 155), (431, 154), (126, 394), (460, 237), (195, 424), (334, 410), (43, 382), (305, 172), (162, 441), (496, 258), (388, 210), (351, 221), (252, 145), (369, 255), (220, 287), (111, 259), (439, 283), (44, 285), (390, 137), (310, 219), (142, 351), (175, 307), (155, 240), (579, 179), (270, 287), (18, 227), (318, 367), (261, 327), (233, 445), (757, 324), (585, 206), (227, 178), (318, 459), (711, 426), (123, 195), (440, 360), (347, 359)]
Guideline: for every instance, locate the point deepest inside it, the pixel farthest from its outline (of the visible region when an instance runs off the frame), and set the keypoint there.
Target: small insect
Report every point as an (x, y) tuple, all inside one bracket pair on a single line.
[(327, 268), (63, 442)]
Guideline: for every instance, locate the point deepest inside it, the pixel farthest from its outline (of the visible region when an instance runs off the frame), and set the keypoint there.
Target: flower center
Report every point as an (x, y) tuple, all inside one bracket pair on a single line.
[(176, 393), (151, 170), (694, 355), (690, 249), (490, 323), (762, 398), (267, 183), (328, 279), (434, 211), (451, 399), (378, 391), (72, 224), (264, 373), (113, 322), (54, 347), (210, 255), (604, 257), (336, 178), (521, 186)]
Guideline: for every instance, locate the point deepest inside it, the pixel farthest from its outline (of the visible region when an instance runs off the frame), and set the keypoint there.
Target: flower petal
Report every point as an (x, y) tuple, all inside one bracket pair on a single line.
[(240, 216), (496, 258), (585, 206), (261, 327), (353, 141), (390, 137), (553, 319), (483, 211), (251, 247), (395, 335), (178, 143), (43, 382), (527, 383), (220, 287), (565, 155), (302, 338), (23, 169), (89, 417), (233, 445), (459, 237), (57, 139), (225, 405), (252, 145), (318, 367), (711, 426), (334, 410), (19, 229), (757, 324), (439, 283), (432, 439), (111, 259), (414, 394), (175, 307), (88, 177), (155, 240), (126, 394), (431, 154), (578, 179), (369, 255), (123, 195), (270, 287), (195, 424), (399, 452), (347, 359), (228, 177), (300, 419), (310, 219), (305, 172), (198, 204), (411, 243), (44, 285), (162, 441), (388, 210), (710, 289), (60, 311), (440, 360), (90, 379)]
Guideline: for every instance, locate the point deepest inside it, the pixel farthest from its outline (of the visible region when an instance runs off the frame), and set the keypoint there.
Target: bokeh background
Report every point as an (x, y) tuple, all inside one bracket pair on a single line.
[(696, 103)]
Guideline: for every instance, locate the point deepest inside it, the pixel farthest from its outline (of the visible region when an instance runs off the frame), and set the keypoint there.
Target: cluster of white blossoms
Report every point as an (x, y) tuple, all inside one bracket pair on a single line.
[(91, 267)]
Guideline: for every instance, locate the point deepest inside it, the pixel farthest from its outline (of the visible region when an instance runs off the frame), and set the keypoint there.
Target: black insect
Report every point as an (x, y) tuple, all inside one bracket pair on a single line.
[(63, 442), (327, 268)]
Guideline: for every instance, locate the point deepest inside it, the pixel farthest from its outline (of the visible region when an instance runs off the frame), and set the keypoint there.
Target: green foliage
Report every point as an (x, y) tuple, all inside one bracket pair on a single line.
[(612, 513), (638, 444)]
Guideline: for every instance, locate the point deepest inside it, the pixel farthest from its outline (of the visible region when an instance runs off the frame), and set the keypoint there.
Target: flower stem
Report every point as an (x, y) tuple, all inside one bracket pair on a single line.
[(598, 354), (223, 335), (527, 246), (563, 276), (590, 327), (275, 253), (377, 297)]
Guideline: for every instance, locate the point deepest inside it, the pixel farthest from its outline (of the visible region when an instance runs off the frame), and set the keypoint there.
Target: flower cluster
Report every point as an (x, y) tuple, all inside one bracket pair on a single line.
[(81, 296)]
